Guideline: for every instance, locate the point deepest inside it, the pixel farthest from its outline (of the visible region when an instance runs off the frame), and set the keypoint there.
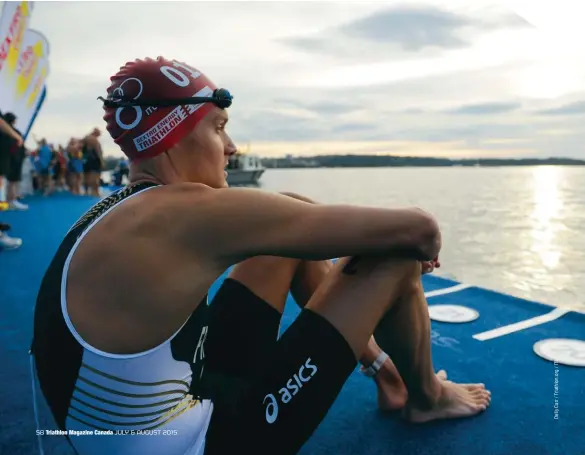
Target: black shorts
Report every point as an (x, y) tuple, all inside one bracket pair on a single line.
[(269, 394), (15, 167), (4, 161), (92, 165)]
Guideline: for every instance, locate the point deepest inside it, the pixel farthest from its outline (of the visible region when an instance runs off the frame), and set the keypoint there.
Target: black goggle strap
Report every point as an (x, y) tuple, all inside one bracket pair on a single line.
[(221, 98)]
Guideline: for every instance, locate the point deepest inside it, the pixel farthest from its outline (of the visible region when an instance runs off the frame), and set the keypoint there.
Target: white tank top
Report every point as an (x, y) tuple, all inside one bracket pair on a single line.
[(139, 404)]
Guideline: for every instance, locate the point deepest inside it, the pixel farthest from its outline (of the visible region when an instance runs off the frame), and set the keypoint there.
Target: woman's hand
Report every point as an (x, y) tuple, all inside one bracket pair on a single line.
[(430, 266)]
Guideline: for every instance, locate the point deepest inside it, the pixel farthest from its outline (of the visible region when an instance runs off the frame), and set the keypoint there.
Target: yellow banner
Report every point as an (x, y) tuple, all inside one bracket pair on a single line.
[(32, 70), (35, 93), (32, 62), (13, 25), (23, 18)]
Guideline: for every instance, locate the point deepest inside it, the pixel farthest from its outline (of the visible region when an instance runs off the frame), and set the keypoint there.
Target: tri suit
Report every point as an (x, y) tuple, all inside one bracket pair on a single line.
[(223, 383)]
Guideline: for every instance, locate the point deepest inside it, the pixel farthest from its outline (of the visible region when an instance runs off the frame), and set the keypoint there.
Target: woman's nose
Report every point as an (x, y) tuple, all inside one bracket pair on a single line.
[(230, 148)]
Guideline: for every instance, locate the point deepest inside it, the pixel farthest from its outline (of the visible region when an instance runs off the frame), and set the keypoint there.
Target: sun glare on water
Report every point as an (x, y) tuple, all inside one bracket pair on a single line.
[(547, 206)]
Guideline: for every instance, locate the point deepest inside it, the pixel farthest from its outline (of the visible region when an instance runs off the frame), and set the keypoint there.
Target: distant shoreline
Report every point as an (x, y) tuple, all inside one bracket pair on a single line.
[(419, 166), (372, 161), (363, 161)]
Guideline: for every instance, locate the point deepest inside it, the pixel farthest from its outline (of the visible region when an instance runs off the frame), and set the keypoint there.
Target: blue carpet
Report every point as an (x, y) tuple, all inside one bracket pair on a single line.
[(520, 420)]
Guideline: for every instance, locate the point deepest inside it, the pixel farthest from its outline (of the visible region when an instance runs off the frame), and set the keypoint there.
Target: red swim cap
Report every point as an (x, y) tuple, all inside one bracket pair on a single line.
[(144, 132)]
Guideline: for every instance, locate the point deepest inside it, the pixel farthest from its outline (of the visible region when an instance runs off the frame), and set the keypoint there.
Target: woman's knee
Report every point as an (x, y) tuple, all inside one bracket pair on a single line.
[(378, 265), (403, 276), (268, 277)]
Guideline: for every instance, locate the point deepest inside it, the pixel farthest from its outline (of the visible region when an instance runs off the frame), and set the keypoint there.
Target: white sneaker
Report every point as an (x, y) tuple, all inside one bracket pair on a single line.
[(9, 243), (17, 205)]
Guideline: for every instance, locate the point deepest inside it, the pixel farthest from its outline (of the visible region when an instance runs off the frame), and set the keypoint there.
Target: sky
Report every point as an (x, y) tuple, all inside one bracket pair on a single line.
[(457, 78)]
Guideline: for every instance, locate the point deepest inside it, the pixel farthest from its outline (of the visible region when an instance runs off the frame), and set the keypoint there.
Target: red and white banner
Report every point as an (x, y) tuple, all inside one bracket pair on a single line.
[(14, 23), (31, 74)]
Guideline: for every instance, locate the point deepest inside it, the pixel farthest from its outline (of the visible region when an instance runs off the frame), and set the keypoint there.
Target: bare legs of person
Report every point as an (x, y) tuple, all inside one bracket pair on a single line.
[(383, 298), (92, 183), (12, 191), (47, 184), (75, 182), (391, 391)]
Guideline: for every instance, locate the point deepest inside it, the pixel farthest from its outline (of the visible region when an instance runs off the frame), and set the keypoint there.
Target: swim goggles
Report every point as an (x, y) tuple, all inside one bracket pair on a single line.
[(221, 97)]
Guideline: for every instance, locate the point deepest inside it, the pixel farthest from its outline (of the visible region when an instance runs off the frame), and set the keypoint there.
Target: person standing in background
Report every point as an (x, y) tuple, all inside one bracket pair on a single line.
[(60, 168), (75, 165), (44, 167), (93, 162), (17, 154), (26, 186), (6, 134), (122, 170)]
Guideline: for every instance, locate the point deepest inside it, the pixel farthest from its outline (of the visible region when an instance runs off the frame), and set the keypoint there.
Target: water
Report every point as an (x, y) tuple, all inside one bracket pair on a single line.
[(511, 229)]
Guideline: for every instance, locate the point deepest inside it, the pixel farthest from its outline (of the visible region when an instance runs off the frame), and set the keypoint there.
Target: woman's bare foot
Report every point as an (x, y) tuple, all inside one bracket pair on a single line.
[(392, 393), (456, 401)]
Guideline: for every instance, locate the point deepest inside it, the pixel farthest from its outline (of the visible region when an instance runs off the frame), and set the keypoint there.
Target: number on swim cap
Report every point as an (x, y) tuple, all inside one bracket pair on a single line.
[(177, 76)]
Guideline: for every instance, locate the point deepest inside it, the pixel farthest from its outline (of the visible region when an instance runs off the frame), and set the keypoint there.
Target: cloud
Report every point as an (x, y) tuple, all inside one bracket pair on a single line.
[(417, 79), (275, 125), (576, 108), (411, 28), (378, 116), (475, 135), (329, 107), (349, 128), (483, 109), (403, 29)]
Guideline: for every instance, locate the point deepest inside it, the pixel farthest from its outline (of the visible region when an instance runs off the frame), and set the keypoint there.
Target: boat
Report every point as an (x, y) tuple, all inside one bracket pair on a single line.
[(244, 169), (530, 355)]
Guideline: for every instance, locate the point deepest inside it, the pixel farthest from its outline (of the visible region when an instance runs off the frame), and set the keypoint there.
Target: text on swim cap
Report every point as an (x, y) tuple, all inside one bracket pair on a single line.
[(177, 77), (168, 123)]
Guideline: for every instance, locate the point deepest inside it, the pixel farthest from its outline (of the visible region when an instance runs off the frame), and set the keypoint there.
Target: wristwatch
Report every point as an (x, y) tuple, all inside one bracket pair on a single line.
[(374, 367)]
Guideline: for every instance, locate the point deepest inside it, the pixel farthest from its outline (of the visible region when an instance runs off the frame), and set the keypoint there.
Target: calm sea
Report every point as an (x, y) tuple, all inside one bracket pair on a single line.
[(510, 229)]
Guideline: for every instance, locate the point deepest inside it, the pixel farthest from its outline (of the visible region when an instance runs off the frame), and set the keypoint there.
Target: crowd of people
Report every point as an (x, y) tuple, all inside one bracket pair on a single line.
[(44, 169)]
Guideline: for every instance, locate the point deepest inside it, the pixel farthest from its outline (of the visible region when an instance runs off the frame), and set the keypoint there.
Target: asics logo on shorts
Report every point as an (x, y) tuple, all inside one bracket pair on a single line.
[(291, 388)]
